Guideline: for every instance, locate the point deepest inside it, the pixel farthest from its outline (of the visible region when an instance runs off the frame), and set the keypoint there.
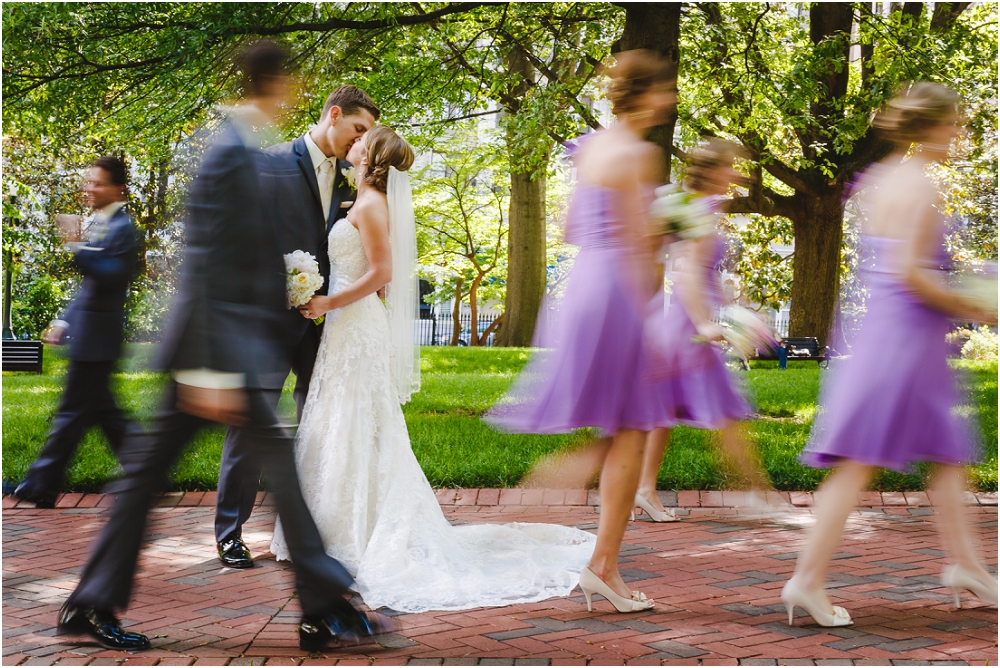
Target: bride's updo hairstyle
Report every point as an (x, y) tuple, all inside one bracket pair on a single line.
[(635, 73), (908, 116), (385, 149)]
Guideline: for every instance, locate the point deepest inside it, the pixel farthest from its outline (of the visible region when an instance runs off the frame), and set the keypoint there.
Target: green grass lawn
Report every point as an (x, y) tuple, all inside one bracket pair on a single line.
[(456, 449)]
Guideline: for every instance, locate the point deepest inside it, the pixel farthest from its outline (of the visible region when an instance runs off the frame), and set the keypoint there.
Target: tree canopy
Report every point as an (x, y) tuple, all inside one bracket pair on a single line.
[(796, 84)]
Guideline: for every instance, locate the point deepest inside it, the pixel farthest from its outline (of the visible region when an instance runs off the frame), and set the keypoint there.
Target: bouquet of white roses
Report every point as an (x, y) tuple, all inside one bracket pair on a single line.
[(681, 213), (746, 331), (302, 277), (978, 283)]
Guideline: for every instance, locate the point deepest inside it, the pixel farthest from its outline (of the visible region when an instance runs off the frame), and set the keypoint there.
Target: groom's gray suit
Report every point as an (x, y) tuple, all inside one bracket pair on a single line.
[(295, 212)]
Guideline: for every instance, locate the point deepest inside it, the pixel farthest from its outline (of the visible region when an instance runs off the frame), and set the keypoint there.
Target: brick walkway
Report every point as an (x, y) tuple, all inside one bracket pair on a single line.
[(716, 579)]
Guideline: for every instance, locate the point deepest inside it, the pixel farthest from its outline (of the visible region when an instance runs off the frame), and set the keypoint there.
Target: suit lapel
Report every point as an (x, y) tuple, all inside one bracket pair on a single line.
[(306, 165)]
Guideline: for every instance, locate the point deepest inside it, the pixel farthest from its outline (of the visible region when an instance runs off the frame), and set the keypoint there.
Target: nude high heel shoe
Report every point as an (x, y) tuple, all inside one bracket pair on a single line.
[(957, 578), (792, 595), (654, 514), (591, 584)]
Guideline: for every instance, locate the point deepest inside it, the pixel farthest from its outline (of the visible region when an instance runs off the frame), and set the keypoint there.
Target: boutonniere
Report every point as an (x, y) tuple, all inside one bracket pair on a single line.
[(349, 176)]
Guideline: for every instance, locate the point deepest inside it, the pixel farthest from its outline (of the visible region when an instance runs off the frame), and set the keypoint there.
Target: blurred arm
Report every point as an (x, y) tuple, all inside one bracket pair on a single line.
[(114, 261), (918, 264), (690, 270)]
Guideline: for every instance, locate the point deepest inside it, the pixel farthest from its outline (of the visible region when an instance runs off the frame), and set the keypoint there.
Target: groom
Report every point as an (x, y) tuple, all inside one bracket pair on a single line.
[(310, 191)]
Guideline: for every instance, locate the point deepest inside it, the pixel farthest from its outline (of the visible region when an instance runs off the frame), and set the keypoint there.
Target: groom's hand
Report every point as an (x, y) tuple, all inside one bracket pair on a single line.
[(224, 406)]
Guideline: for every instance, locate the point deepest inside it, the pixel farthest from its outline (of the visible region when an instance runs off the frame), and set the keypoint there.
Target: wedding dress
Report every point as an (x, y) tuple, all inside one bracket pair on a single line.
[(373, 505)]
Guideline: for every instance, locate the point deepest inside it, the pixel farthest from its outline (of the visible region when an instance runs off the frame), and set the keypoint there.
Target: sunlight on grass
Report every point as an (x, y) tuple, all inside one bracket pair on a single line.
[(456, 449)]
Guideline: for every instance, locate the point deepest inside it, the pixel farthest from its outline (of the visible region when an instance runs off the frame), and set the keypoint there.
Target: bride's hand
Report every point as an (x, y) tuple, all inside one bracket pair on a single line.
[(316, 307)]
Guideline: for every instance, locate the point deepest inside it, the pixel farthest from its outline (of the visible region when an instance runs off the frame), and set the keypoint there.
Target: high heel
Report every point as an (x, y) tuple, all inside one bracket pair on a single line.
[(792, 595), (654, 514), (957, 578), (591, 584)]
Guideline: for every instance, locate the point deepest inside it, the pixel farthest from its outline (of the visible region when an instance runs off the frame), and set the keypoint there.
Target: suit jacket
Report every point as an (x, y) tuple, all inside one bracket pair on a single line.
[(231, 293), (295, 211), (96, 317)]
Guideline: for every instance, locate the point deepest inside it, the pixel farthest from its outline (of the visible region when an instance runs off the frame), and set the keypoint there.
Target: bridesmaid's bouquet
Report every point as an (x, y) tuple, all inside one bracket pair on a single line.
[(302, 277), (978, 284), (746, 331), (682, 214)]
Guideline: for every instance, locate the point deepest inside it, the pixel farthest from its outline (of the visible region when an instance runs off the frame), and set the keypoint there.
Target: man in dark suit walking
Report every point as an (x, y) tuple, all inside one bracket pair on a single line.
[(308, 191), (223, 350), (93, 327)]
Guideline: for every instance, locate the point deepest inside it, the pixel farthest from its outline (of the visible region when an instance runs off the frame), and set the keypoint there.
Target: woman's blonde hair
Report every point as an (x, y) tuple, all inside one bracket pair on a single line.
[(913, 111), (385, 149), (634, 73)]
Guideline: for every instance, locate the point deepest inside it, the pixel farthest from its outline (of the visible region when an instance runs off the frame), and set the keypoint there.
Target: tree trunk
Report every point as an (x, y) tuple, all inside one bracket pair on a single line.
[(525, 259), (655, 26), (474, 311), (456, 311), (526, 225), (818, 224)]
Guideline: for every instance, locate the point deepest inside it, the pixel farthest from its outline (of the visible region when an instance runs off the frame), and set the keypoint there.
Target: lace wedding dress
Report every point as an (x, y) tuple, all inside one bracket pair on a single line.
[(372, 503)]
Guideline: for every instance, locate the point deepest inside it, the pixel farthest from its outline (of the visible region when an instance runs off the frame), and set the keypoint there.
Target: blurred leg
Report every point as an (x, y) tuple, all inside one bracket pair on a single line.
[(742, 457), (836, 498), (953, 521), (106, 583), (574, 469), (108, 414), (74, 415), (619, 481), (320, 580), (656, 445)]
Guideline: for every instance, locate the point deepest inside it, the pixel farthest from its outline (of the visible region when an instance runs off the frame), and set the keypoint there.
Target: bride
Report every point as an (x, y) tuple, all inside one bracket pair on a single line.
[(372, 503)]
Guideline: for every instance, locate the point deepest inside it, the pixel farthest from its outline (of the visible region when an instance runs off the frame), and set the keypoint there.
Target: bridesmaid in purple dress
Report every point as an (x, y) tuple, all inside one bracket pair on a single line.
[(892, 402), (594, 375), (696, 388)]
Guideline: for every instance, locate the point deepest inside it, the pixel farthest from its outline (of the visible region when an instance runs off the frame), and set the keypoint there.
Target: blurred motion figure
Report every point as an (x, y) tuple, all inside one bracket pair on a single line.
[(693, 382), (223, 348), (892, 402), (596, 373), (92, 326)]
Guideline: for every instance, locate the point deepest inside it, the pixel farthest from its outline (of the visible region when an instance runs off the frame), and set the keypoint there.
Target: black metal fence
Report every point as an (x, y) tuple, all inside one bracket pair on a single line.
[(436, 328)]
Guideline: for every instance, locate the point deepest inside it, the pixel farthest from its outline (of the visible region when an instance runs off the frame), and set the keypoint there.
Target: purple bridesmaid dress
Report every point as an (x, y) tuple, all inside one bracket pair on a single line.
[(594, 372), (892, 402), (694, 386)]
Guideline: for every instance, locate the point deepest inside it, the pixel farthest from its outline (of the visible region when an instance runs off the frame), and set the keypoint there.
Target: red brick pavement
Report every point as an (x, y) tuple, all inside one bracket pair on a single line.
[(716, 577)]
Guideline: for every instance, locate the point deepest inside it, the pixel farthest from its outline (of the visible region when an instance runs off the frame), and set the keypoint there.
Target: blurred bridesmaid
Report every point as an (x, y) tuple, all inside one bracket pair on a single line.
[(595, 374), (893, 401), (696, 388)]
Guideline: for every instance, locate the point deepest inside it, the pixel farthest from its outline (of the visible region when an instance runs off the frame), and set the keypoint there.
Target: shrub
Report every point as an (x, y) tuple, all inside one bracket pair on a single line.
[(981, 346), (35, 303)]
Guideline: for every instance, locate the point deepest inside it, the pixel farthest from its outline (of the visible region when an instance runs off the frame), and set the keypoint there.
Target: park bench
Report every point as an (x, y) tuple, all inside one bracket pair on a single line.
[(22, 356), (802, 348)]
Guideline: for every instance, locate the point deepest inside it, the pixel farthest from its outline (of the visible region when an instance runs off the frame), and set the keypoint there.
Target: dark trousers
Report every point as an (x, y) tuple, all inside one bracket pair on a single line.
[(86, 401), (106, 583), (239, 470)]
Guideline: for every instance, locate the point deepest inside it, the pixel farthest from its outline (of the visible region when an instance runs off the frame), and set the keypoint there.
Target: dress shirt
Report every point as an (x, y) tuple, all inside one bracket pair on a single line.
[(326, 173)]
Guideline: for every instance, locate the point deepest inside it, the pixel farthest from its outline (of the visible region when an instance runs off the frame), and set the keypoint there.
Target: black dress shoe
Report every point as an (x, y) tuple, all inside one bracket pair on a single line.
[(316, 633), (40, 500), (233, 552), (101, 626)]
